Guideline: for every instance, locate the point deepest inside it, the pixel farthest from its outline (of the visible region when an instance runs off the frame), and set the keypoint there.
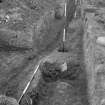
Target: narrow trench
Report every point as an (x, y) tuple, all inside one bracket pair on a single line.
[(62, 47), (60, 88)]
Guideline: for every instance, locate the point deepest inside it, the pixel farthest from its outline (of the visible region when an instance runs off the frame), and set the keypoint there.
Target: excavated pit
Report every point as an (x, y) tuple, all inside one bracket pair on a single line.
[(56, 87)]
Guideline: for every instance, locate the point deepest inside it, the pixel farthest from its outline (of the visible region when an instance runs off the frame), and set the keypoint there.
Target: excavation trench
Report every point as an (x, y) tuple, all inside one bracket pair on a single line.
[(57, 87)]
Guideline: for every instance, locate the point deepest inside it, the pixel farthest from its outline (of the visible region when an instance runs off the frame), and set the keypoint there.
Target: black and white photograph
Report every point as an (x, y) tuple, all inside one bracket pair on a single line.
[(52, 52)]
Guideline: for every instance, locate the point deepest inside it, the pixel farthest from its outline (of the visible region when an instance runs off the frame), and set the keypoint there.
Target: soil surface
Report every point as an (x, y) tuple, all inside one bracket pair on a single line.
[(32, 31)]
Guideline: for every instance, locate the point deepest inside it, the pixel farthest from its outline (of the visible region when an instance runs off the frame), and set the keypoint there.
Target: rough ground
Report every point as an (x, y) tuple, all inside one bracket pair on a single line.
[(95, 18), (31, 30)]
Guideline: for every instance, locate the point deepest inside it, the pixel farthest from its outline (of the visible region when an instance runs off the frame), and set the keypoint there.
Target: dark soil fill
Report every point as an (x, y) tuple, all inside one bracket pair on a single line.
[(50, 72), (72, 73), (49, 92), (1, 1)]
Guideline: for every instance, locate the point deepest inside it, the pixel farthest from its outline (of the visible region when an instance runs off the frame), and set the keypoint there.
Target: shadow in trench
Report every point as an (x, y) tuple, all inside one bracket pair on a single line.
[(62, 48)]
